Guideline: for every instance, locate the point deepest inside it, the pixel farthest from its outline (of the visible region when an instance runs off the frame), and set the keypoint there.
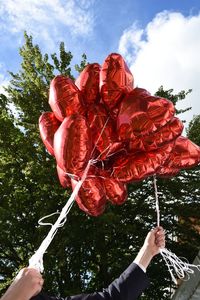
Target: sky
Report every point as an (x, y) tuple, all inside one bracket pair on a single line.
[(159, 39)]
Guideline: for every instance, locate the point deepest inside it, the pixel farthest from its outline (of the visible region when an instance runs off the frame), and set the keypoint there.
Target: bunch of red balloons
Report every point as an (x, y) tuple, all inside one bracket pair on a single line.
[(129, 133)]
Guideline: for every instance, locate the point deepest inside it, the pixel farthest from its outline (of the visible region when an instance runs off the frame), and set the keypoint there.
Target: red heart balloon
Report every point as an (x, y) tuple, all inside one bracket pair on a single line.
[(91, 197), (88, 83), (48, 125), (73, 145), (137, 166), (141, 114), (185, 154), (115, 80), (116, 191), (163, 135), (64, 97), (167, 172)]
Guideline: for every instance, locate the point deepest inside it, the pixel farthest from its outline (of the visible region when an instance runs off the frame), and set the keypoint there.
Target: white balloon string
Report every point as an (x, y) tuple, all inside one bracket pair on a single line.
[(157, 200), (36, 261), (106, 149), (40, 222), (181, 268)]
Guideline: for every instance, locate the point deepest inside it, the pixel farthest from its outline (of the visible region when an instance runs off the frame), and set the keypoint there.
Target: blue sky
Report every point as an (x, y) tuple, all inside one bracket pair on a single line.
[(159, 39)]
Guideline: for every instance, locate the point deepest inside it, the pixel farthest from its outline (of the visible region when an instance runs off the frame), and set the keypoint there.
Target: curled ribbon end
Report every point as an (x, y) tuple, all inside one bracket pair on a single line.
[(181, 268)]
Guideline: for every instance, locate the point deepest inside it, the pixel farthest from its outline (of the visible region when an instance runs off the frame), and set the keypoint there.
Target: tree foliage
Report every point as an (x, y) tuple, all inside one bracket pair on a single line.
[(174, 98), (87, 253)]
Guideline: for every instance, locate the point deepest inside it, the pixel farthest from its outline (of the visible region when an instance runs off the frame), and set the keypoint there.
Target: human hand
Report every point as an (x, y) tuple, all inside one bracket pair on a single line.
[(27, 284), (155, 240)]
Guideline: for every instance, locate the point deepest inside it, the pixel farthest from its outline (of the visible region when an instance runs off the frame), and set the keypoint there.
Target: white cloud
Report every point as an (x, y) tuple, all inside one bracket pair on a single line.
[(3, 79), (3, 83), (45, 19), (166, 53)]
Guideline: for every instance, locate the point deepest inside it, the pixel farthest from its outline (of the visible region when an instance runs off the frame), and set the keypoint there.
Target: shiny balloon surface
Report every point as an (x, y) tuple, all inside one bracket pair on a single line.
[(126, 132)]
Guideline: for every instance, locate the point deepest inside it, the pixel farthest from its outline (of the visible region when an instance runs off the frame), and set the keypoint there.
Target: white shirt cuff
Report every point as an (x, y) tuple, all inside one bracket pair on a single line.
[(141, 266)]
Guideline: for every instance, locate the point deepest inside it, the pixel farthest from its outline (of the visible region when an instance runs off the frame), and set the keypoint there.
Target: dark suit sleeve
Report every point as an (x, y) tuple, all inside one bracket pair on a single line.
[(129, 286)]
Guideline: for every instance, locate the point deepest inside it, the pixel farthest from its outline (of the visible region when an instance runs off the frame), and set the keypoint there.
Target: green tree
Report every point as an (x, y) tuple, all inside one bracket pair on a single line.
[(29, 185), (193, 130), (87, 253)]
